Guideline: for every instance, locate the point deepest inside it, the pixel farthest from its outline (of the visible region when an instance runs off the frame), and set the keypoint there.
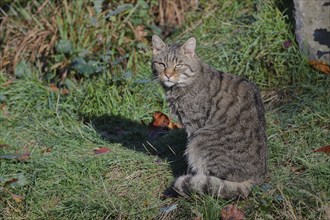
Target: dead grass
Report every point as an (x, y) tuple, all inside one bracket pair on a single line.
[(29, 38), (32, 33)]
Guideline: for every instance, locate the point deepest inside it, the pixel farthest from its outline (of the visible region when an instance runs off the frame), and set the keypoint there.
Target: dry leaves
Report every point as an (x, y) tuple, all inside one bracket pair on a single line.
[(55, 89), (320, 66), (160, 123), (7, 183), (101, 150), (17, 198), (162, 120), (232, 212), (324, 149)]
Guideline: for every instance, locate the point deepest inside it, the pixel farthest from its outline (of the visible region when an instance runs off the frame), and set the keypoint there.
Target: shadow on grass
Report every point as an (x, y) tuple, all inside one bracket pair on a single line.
[(168, 145)]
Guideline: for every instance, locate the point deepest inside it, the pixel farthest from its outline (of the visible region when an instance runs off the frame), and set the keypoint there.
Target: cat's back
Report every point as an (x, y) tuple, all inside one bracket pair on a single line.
[(230, 90), (232, 96), (228, 82)]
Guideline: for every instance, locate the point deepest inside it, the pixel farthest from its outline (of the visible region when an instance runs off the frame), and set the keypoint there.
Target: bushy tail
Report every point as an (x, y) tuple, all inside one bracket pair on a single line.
[(213, 186)]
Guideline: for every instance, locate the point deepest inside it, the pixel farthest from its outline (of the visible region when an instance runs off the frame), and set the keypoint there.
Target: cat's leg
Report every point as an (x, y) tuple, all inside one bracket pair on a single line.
[(194, 153)]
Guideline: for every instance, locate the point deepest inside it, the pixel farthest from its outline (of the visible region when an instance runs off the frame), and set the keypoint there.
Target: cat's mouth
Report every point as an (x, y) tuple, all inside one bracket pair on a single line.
[(168, 83)]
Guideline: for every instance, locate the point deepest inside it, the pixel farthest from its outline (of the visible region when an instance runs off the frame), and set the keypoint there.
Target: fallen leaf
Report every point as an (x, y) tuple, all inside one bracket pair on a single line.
[(324, 149), (160, 124), (65, 91), (101, 150), (162, 120), (232, 212), (320, 66), (46, 150), (10, 181), (17, 198), (297, 170), (55, 89), (173, 125), (13, 180)]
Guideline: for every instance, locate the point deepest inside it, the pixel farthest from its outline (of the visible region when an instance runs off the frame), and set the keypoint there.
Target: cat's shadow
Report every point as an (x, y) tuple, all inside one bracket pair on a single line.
[(168, 145)]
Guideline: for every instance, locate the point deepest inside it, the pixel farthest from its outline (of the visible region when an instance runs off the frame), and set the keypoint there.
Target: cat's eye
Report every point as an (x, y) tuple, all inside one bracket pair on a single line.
[(161, 65), (179, 66)]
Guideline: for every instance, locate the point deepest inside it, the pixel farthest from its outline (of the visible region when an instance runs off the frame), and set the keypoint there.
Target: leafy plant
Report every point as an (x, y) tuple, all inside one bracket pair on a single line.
[(77, 38)]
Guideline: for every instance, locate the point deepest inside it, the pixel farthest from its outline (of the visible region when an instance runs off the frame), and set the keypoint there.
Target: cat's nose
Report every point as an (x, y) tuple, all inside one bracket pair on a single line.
[(168, 73)]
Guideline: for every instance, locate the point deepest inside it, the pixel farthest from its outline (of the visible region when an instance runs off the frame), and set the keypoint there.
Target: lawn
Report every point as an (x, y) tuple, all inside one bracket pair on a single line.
[(49, 137)]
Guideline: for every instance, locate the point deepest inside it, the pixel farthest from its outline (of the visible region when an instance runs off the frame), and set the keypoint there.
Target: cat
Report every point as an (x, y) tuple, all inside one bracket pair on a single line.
[(224, 119)]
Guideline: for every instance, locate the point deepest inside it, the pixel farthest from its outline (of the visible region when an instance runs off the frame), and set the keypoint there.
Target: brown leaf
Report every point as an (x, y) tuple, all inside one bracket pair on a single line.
[(324, 149), (55, 89), (10, 181), (101, 150), (320, 66), (17, 198), (297, 170), (45, 150), (173, 125), (65, 91), (232, 212), (162, 120)]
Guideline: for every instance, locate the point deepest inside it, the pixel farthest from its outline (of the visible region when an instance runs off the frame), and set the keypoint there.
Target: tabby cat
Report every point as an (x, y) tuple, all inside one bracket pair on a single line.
[(223, 116)]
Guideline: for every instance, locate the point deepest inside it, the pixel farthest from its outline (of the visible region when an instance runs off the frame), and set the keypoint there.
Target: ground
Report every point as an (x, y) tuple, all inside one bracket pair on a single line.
[(63, 178)]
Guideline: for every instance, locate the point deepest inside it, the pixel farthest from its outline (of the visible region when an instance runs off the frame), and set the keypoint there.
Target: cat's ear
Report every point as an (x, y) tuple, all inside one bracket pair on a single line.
[(158, 45), (189, 47)]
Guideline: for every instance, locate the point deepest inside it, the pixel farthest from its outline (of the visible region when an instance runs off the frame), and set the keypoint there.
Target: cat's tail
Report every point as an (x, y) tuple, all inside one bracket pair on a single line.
[(212, 185)]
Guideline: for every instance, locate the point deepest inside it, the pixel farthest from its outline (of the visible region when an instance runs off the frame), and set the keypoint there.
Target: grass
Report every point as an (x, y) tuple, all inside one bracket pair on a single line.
[(63, 179)]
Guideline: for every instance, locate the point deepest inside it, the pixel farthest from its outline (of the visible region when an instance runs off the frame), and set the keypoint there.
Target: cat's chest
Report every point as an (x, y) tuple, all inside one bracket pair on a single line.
[(191, 109)]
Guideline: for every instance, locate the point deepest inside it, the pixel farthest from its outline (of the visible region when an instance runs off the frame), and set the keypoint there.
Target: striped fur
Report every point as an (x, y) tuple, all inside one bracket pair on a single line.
[(223, 116)]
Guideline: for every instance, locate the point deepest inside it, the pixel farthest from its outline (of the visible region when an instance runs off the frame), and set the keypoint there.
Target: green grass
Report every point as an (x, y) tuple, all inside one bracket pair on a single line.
[(65, 180)]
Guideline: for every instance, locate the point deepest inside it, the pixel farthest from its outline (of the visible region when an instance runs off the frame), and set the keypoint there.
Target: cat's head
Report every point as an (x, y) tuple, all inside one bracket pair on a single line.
[(175, 64)]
